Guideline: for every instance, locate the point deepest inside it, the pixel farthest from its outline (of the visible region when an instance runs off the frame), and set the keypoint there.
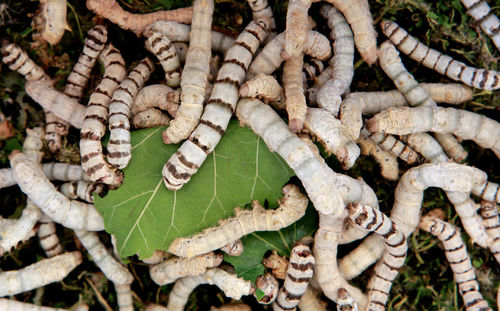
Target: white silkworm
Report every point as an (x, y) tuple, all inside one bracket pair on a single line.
[(157, 257), (311, 301), (261, 10), (136, 23), (119, 148), (221, 106), (357, 13), (54, 20), (296, 28), (14, 305), (124, 297), (491, 221), (33, 144), (393, 257), (268, 287), (194, 77), (456, 253), (393, 145), (269, 59), (342, 61), (299, 273), (427, 146), (175, 268), (294, 91), (463, 124), (48, 237), (160, 45), (292, 207), (489, 22), (230, 284), (34, 183), (39, 274), (233, 249), (389, 168), (232, 307), (96, 116), (262, 86), (150, 117), (444, 64), (278, 264), (156, 96), (452, 147)]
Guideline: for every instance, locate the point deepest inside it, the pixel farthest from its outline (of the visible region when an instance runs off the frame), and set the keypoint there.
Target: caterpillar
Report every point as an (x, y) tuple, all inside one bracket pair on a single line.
[(14, 305), (489, 22), (294, 92), (427, 146), (39, 274), (48, 238), (393, 145), (489, 214), (150, 117), (261, 10), (277, 263), (444, 64), (157, 257), (18, 60), (389, 168), (54, 20), (160, 45), (264, 87), (124, 297), (311, 70), (221, 105), (83, 190), (296, 28), (345, 301), (451, 146), (155, 307), (268, 287), (291, 208), (33, 144), (233, 249)]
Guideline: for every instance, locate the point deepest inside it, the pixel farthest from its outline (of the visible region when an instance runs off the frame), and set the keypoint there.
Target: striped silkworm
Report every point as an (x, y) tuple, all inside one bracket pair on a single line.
[(14, 305), (389, 167), (54, 20), (124, 298), (70, 213), (172, 269), (277, 263), (156, 96), (232, 307), (489, 22), (444, 64), (342, 61), (312, 69), (451, 146), (230, 284), (393, 145), (233, 249), (294, 92), (119, 148), (221, 106), (460, 263), (299, 273), (164, 50), (266, 88), (18, 60), (194, 74), (291, 208), (261, 10), (150, 117), (136, 23), (357, 13), (96, 116), (296, 28), (488, 191), (39, 274), (269, 59), (345, 301), (266, 288), (83, 190), (48, 237), (394, 254), (491, 221), (463, 124), (310, 301)]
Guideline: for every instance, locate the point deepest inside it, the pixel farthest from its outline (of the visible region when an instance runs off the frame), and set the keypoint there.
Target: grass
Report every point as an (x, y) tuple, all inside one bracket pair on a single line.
[(424, 283)]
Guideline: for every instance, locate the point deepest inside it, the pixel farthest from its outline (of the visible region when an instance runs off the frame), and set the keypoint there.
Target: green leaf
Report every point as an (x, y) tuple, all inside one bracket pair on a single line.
[(144, 215), (249, 264)]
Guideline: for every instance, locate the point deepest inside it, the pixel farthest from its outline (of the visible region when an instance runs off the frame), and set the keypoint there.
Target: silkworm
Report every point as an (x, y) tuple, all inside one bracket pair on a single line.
[(70, 213), (155, 307), (389, 168), (312, 69), (160, 45), (427, 146), (156, 96), (119, 148), (489, 22), (157, 257), (18, 60), (218, 111), (230, 284), (278, 264), (394, 254), (452, 147), (261, 10), (488, 191), (296, 28), (233, 249), (175, 268), (310, 301), (48, 237), (463, 124), (299, 273), (14, 305), (342, 62), (124, 297), (357, 13), (54, 20), (194, 74), (444, 64), (83, 190), (489, 214), (269, 59), (262, 86), (330, 132), (294, 91), (393, 145), (33, 144), (53, 171), (291, 208), (39, 274), (460, 263), (136, 23), (268, 287), (150, 117), (232, 307), (96, 115)]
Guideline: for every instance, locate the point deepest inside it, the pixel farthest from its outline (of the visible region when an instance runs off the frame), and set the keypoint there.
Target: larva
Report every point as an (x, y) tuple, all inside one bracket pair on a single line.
[(393, 145), (294, 91), (175, 268), (311, 301), (345, 301), (181, 49), (232, 307), (460, 263), (389, 168), (230, 284), (156, 96), (54, 20), (261, 10), (444, 64), (263, 86), (342, 62), (488, 191), (39, 274), (14, 305), (296, 28), (136, 23), (82, 190), (155, 307), (48, 237), (330, 132), (33, 144), (357, 13), (221, 105), (119, 148), (157, 257), (427, 146), (312, 69), (233, 249), (489, 22), (451, 146), (160, 45), (194, 74), (292, 207), (393, 257), (150, 117), (18, 60), (299, 273), (489, 214), (124, 297), (269, 59), (268, 286), (463, 124), (32, 181), (53, 171), (96, 116), (277, 263)]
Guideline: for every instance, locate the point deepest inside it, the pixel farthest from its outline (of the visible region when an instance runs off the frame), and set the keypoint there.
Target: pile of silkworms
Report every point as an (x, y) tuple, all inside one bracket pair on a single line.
[(312, 100)]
